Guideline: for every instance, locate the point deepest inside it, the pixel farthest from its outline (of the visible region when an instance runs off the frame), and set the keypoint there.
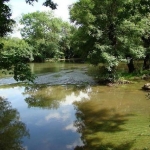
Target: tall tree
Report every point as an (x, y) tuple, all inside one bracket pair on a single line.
[(110, 31), (46, 33), (66, 40)]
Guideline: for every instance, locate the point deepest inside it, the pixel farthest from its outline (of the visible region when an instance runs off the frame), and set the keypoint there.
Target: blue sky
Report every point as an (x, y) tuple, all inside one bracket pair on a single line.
[(20, 7)]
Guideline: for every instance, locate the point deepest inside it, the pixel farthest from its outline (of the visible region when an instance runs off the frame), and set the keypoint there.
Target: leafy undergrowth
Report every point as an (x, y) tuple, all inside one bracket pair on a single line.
[(102, 76)]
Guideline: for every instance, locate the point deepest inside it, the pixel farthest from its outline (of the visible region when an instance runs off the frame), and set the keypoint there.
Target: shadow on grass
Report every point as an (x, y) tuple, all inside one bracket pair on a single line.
[(108, 146), (94, 123)]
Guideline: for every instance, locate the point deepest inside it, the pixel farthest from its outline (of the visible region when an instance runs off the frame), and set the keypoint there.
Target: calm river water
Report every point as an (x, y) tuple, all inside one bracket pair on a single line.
[(67, 110)]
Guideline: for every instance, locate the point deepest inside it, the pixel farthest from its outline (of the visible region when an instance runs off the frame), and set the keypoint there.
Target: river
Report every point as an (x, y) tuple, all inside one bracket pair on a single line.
[(67, 110)]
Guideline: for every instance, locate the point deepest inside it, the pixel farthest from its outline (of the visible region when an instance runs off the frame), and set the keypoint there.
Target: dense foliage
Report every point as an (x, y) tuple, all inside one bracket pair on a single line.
[(14, 57), (14, 62), (49, 36), (5, 18), (107, 32), (111, 31)]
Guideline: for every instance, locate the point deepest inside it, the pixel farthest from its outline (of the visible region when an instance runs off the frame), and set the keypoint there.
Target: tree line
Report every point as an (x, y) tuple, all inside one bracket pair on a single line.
[(106, 32)]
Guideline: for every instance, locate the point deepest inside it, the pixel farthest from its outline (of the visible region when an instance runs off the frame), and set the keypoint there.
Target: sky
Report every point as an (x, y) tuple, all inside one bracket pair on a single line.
[(19, 7)]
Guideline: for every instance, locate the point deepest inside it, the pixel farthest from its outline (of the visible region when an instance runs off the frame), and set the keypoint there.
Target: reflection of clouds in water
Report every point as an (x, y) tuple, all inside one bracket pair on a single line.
[(65, 113), (72, 97), (73, 145), (11, 92), (88, 89), (53, 116), (57, 115), (71, 127), (68, 101)]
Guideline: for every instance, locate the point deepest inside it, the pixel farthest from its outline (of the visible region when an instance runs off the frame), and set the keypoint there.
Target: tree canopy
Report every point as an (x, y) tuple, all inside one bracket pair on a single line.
[(47, 34), (110, 31)]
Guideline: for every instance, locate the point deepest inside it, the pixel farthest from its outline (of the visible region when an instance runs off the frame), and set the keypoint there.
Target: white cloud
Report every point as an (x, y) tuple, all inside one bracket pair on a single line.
[(75, 97), (53, 116), (71, 127), (57, 115)]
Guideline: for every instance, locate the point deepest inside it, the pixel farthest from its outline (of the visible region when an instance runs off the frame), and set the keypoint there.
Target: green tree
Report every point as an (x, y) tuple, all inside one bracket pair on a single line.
[(146, 42), (47, 34), (14, 57), (6, 25), (110, 31), (5, 18), (66, 40)]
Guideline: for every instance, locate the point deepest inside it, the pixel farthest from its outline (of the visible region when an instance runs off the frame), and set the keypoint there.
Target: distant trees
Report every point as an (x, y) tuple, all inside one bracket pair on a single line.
[(48, 35), (20, 70), (44, 36)]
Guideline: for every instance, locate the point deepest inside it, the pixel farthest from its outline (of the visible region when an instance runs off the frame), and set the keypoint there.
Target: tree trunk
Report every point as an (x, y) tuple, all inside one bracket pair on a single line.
[(146, 64), (130, 64)]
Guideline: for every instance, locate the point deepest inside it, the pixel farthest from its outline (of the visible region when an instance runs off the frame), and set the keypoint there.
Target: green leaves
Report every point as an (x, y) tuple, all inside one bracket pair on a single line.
[(49, 35), (14, 56), (109, 30), (47, 3), (6, 22)]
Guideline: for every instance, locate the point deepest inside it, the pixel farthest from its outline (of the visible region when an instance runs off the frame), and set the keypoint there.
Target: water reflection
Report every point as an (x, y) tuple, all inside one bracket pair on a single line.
[(43, 96), (103, 117), (12, 130), (52, 97), (96, 124), (55, 126)]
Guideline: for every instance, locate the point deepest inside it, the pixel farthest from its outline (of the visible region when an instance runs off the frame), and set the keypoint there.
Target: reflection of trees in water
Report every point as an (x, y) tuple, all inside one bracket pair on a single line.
[(45, 96), (92, 124), (12, 130)]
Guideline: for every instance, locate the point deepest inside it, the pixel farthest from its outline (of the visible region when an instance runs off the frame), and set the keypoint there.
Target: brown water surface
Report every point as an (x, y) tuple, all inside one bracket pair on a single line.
[(77, 116)]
